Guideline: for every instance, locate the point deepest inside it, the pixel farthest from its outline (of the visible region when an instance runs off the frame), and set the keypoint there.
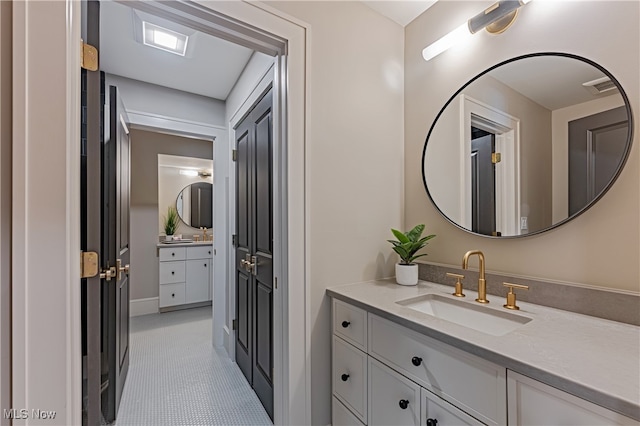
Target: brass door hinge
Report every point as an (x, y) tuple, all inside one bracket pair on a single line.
[(234, 324), (88, 264), (88, 56), (496, 157), (234, 155)]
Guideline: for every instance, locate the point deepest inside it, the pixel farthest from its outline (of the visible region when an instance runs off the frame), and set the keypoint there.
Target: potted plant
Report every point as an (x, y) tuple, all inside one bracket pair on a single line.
[(171, 221), (407, 245)]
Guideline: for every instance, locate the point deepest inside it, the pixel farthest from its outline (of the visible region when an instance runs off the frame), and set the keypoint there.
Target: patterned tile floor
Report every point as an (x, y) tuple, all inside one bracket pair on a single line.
[(176, 377)]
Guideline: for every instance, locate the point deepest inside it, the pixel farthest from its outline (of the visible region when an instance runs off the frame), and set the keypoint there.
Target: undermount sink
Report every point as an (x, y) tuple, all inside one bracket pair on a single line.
[(477, 317)]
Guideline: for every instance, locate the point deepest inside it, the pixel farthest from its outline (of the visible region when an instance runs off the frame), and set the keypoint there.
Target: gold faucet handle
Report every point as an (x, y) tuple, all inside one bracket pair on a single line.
[(511, 296), (459, 278)]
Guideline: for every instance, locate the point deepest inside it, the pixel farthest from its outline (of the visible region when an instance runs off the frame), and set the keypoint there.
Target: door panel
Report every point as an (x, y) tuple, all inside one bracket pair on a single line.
[(596, 148), (254, 198), (483, 186)]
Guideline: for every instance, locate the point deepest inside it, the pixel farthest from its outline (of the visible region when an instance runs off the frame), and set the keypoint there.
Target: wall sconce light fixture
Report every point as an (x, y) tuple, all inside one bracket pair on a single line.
[(495, 19)]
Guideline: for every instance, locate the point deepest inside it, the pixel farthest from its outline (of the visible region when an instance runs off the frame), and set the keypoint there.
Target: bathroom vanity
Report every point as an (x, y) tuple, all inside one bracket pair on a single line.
[(420, 356), (186, 271)]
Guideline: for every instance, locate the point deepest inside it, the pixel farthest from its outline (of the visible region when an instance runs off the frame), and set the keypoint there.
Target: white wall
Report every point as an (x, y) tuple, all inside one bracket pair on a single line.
[(153, 107), (602, 246), (354, 160), (560, 119), (5, 208)]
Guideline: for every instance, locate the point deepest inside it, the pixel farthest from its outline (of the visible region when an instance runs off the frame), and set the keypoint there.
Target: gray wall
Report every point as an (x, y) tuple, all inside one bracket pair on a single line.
[(145, 147), (578, 252), (5, 207), (147, 98)]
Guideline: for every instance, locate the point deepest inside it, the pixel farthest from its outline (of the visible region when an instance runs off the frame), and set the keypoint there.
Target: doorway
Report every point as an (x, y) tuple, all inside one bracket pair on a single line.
[(275, 254)]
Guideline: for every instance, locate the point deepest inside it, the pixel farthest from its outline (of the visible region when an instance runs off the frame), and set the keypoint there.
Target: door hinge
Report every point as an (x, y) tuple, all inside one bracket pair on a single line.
[(234, 324), (234, 240), (88, 264), (88, 56), (234, 155), (496, 157)]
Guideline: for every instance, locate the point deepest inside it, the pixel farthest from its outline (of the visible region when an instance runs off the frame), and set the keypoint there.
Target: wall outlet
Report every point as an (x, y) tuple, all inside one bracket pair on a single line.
[(524, 226)]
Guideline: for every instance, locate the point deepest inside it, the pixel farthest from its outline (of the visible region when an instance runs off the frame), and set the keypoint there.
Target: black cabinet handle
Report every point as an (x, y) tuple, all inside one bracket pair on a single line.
[(205, 265), (173, 254), (173, 273), (432, 422), (173, 295), (209, 251), (403, 404), (416, 361), (345, 324), (345, 377)]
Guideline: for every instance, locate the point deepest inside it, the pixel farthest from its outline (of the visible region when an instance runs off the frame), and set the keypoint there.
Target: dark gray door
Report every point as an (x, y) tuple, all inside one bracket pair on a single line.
[(104, 229), (597, 145), (483, 183), (254, 249), (116, 249)]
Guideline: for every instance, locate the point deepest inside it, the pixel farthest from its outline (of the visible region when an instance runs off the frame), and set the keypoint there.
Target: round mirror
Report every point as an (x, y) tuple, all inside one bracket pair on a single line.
[(527, 145), (195, 204)]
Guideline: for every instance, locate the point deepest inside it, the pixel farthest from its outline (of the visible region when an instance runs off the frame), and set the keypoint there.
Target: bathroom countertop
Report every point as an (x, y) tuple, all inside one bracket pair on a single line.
[(592, 358), (186, 244)]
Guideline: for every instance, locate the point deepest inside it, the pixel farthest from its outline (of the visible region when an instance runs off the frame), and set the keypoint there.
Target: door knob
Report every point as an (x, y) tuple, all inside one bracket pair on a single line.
[(345, 324), (107, 274), (121, 269), (403, 404), (344, 377), (416, 361), (432, 422)]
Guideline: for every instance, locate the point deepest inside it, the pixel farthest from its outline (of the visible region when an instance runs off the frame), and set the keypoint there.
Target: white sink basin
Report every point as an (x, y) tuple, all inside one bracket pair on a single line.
[(475, 316)]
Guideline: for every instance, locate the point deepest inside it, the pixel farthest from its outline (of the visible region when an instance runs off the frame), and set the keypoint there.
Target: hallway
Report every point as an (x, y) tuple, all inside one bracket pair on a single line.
[(177, 378)]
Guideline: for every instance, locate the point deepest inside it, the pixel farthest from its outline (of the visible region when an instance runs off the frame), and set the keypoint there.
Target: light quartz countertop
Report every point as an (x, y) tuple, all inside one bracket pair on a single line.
[(186, 244), (592, 358)]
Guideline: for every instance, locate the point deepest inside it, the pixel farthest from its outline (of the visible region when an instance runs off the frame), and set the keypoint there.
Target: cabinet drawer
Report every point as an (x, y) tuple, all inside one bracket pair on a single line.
[(171, 294), (350, 323), (198, 280), (468, 382), (174, 253), (393, 399), (534, 403), (341, 416), (172, 272), (436, 411), (199, 252), (350, 377)]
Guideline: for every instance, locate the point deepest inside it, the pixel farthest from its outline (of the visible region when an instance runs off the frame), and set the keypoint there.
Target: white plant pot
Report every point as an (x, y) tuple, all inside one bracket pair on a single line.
[(168, 238), (407, 274)]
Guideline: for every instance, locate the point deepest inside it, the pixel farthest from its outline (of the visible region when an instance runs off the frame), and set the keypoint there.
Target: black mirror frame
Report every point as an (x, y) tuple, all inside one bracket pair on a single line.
[(586, 207)]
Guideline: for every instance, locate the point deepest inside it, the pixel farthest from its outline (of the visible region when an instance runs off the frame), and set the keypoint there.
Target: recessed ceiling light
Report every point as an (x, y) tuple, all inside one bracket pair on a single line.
[(164, 39)]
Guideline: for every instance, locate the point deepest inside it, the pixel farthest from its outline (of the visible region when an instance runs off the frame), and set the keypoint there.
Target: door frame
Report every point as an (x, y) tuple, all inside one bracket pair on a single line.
[(45, 258)]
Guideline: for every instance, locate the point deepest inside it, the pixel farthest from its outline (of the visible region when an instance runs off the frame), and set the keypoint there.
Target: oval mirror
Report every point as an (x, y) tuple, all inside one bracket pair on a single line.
[(527, 145), (195, 204)]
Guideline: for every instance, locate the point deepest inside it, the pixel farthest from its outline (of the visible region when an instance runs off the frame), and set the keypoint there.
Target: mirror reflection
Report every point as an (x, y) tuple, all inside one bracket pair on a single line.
[(194, 205), (527, 145)]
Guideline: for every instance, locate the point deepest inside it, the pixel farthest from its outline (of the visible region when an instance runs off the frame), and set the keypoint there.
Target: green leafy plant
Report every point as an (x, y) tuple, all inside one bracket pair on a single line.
[(171, 221), (409, 243)]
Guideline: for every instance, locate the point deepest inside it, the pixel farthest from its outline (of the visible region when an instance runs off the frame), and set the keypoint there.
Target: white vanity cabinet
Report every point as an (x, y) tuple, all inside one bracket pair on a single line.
[(385, 374), (534, 403), (185, 275)]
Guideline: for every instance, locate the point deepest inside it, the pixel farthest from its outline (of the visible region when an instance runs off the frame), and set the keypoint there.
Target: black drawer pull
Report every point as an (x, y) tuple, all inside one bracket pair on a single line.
[(432, 422), (416, 361), (173, 272), (205, 265), (345, 324), (173, 295), (173, 254), (403, 404), (209, 251), (344, 377)]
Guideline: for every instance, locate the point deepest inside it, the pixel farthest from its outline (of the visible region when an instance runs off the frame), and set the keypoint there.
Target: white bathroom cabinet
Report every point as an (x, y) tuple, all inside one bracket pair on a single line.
[(384, 373), (185, 275)]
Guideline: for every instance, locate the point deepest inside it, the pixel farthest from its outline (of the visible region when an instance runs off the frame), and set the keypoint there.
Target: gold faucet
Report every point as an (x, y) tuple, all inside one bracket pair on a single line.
[(204, 234), (482, 282)]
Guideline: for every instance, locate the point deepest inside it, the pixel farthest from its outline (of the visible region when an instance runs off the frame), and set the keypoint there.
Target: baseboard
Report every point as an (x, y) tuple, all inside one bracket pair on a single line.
[(146, 306)]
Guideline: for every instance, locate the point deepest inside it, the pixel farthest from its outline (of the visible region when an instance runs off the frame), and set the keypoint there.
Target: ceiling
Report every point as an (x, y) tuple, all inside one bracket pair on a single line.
[(400, 11), (210, 67)]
